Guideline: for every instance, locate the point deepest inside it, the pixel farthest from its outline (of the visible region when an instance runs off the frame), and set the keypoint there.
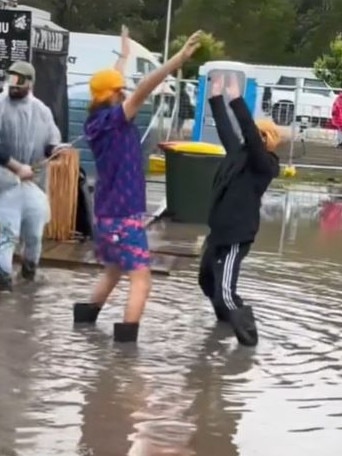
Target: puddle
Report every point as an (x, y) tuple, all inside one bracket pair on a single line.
[(188, 388)]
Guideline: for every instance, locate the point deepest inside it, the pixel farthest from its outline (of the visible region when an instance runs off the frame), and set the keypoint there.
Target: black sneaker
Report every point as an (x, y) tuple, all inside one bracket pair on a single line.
[(6, 283), (243, 323), (86, 313), (126, 332), (28, 270)]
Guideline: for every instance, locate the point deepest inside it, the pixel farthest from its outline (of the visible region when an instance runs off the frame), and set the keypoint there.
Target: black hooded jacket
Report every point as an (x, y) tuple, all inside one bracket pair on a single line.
[(242, 177)]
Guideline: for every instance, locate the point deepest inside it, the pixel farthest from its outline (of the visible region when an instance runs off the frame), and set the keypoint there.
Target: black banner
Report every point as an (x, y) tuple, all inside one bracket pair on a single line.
[(15, 37), (50, 41)]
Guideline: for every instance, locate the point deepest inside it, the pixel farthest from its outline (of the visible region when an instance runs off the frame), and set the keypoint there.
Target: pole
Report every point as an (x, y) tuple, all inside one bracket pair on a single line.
[(166, 56), (294, 123), (167, 31)]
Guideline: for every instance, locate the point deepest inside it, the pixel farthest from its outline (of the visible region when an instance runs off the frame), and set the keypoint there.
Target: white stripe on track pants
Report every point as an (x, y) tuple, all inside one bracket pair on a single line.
[(219, 274)]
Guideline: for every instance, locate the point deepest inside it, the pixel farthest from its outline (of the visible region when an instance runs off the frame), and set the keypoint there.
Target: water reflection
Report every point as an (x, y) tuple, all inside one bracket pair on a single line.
[(188, 388), (306, 221), (293, 390), (216, 410)]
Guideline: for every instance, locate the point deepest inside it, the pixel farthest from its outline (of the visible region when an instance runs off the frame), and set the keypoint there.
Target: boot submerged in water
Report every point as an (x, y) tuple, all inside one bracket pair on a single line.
[(243, 323), (6, 283), (126, 332), (28, 270), (222, 312), (86, 313)]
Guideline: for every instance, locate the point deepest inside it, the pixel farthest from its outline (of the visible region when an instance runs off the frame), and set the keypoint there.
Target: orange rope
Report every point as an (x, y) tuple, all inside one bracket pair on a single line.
[(63, 174)]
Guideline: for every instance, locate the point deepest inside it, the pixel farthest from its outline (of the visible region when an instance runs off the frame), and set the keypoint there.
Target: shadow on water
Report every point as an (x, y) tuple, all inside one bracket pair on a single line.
[(188, 388)]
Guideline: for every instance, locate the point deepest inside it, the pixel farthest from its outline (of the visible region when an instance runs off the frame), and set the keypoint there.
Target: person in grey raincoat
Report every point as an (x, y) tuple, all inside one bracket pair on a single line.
[(24, 172), (28, 134)]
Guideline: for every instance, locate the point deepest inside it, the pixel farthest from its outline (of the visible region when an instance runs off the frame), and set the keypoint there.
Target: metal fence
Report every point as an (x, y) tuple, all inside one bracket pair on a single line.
[(302, 111), (156, 119)]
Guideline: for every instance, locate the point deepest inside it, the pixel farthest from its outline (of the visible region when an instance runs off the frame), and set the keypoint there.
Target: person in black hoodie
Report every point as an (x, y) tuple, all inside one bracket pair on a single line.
[(234, 217)]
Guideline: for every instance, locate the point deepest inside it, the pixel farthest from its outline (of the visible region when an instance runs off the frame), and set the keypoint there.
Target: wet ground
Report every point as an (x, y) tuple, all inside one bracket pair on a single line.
[(188, 388)]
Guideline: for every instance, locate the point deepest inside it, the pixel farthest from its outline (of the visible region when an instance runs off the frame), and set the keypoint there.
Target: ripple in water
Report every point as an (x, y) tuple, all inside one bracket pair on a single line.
[(188, 388)]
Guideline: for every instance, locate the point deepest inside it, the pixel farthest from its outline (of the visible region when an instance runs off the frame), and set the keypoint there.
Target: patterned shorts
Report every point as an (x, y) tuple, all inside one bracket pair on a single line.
[(122, 242)]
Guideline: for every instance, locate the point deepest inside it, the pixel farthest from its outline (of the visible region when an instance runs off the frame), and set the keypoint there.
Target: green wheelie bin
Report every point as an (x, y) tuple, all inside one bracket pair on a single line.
[(190, 169)]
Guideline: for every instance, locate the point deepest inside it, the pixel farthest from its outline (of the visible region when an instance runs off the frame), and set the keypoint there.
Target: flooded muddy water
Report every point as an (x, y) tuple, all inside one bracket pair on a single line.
[(187, 388)]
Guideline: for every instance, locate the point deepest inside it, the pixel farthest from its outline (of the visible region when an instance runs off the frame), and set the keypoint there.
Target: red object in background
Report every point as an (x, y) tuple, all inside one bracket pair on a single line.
[(331, 217), (328, 124), (336, 117)]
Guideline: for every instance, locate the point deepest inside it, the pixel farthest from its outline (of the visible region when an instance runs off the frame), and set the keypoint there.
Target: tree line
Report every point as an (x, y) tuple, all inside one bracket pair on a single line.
[(285, 32)]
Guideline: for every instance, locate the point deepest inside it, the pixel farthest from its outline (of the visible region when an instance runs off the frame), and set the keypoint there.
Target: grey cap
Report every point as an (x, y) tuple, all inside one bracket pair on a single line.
[(24, 69)]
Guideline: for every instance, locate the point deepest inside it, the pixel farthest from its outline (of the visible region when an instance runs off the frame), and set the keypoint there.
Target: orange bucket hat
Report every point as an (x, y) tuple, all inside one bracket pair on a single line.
[(104, 83), (270, 133)]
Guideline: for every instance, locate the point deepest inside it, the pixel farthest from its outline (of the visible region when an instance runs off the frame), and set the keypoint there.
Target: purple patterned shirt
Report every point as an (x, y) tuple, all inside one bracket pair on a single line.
[(115, 142)]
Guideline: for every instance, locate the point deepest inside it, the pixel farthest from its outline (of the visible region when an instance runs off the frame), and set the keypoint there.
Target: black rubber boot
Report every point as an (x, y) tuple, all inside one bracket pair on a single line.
[(28, 270), (126, 332), (243, 323), (6, 283), (222, 313), (86, 313)]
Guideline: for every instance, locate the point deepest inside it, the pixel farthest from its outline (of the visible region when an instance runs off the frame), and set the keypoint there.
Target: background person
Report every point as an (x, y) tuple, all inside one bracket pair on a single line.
[(337, 119), (24, 172), (28, 134), (186, 110)]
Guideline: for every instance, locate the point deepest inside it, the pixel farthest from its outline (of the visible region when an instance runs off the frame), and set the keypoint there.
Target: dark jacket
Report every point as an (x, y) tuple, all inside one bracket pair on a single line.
[(242, 177)]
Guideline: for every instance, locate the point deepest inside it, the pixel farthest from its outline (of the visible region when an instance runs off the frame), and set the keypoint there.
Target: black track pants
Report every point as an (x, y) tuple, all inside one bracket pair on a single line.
[(218, 277)]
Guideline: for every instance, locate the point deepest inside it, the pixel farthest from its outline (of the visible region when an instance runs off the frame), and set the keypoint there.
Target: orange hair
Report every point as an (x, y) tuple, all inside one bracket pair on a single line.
[(271, 134)]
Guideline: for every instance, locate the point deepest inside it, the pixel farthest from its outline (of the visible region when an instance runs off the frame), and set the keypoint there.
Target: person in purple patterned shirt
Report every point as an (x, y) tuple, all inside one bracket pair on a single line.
[(120, 236)]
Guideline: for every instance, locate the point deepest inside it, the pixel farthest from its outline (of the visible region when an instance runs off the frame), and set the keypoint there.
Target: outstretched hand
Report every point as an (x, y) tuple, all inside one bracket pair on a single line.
[(125, 42), (217, 86), (233, 87), (191, 46)]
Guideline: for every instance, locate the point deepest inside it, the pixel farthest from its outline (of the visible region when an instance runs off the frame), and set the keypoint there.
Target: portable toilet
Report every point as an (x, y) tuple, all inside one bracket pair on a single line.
[(204, 127)]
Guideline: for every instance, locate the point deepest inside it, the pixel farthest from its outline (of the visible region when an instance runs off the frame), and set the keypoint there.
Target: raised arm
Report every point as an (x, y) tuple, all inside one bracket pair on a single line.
[(120, 64), (146, 86), (224, 127), (261, 160)]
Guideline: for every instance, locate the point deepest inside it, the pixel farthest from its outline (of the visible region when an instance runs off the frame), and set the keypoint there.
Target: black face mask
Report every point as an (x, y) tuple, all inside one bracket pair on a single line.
[(18, 93)]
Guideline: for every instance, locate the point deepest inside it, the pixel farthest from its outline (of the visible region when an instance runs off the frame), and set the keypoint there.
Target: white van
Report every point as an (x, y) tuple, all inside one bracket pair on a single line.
[(89, 53), (315, 98)]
